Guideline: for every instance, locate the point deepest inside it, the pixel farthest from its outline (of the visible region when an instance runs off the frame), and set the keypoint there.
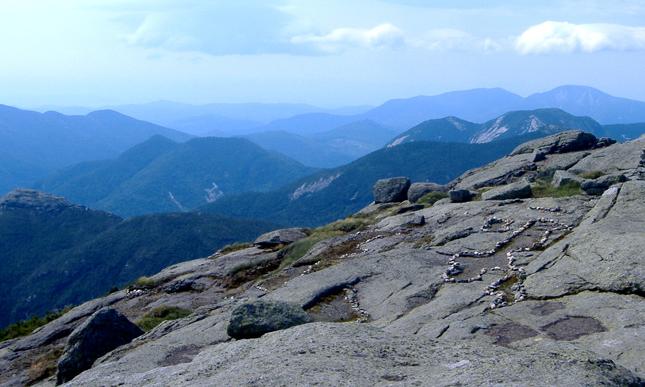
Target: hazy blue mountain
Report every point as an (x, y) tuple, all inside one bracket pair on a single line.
[(14, 173), (335, 193), (306, 150), (448, 129), (307, 124), (587, 101), (474, 105), (56, 253), (327, 149), (221, 119), (214, 125), (512, 124), (41, 142), (624, 132), (160, 176), (521, 122)]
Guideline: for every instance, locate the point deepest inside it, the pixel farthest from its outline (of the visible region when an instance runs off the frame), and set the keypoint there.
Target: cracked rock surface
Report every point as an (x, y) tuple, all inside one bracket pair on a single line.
[(524, 291)]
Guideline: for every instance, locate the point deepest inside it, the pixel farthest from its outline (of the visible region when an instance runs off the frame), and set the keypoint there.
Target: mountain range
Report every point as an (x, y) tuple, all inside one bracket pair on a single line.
[(48, 244), (37, 143), (335, 193), (507, 125), (160, 175)]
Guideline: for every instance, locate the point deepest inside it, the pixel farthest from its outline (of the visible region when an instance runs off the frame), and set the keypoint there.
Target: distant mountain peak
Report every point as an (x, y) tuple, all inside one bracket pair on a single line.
[(33, 199)]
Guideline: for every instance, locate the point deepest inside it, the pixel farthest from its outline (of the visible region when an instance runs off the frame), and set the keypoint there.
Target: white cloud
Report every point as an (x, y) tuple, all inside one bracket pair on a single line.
[(382, 36), (563, 37), (390, 36)]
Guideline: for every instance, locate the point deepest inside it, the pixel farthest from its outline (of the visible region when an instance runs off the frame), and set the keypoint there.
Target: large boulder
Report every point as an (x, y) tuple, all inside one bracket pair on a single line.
[(570, 141), (561, 178), (391, 190), (102, 332), (600, 185), (460, 195), (280, 237), (518, 190), (418, 190), (253, 319)]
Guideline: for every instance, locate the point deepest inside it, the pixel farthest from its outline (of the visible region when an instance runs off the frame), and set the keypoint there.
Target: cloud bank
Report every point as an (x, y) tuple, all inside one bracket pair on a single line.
[(381, 36), (563, 37)]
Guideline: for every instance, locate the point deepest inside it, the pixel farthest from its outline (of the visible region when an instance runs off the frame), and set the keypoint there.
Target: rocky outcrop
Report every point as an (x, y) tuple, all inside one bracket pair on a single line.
[(104, 331), (254, 319), (563, 142), (391, 190), (418, 190), (32, 199), (480, 292), (518, 190), (280, 237), (599, 185)]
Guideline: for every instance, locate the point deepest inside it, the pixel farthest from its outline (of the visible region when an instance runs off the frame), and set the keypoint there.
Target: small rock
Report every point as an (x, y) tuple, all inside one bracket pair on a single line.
[(518, 190), (561, 177), (600, 185), (460, 195), (540, 154), (102, 332), (183, 285), (280, 237), (605, 141), (253, 319), (418, 190), (391, 190)]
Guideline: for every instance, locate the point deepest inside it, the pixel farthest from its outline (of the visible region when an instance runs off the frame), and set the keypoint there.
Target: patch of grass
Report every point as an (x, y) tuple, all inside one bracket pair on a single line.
[(298, 249), (432, 197), (592, 174), (161, 314), (423, 242), (234, 247), (44, 365), (143, 283), (346, 225), (542, 188), (25, 327)]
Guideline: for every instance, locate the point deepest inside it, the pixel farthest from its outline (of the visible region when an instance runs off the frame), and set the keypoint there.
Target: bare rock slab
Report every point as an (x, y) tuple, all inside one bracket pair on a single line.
[(518, 190)]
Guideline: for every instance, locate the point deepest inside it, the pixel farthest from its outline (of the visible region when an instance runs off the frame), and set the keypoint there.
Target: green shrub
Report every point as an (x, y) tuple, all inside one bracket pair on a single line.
[(234, 247), (25, 327), (432, 197), (542, 188), (161, 314), (592, 174), (143, 283), (346, 225)]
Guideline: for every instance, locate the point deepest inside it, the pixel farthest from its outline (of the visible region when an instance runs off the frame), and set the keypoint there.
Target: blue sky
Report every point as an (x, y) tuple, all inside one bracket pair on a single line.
[(324, 52)]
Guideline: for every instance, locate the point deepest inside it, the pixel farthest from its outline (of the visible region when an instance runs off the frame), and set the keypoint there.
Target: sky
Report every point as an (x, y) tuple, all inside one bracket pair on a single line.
[(325, 52)]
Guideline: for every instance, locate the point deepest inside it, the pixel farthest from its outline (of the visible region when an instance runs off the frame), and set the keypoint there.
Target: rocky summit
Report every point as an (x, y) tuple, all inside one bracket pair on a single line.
[(535, 283)]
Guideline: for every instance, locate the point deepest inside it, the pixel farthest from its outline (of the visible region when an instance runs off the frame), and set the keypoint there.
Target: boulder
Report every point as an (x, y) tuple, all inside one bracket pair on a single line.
[(570, 141), (391, 190), (561, 178), (460, 195), (253, 319), (518, 190), (102, 332), (280, 237), (418, 190), (600, 185)]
